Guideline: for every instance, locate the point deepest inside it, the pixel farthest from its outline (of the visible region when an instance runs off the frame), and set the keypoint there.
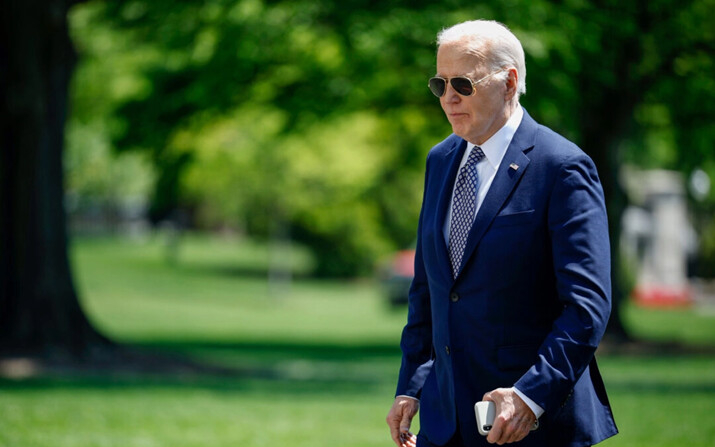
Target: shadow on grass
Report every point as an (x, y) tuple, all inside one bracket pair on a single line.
[(266, 368), (243, 384), (280, 349), (285, 368)]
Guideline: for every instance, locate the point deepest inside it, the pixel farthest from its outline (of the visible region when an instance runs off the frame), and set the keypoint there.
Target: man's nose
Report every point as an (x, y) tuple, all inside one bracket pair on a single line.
[(450, 94)]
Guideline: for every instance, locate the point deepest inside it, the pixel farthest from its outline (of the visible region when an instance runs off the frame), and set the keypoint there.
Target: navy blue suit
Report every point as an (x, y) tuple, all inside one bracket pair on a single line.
[(530, 303)]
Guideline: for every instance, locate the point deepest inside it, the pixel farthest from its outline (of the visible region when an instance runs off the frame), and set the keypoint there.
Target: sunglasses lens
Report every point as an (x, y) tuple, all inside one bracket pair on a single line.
[(437, 86), (463, 86)]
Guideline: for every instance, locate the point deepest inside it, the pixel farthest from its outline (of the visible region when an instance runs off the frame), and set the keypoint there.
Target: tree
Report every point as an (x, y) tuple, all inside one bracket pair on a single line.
[(39, 308), (623, 59), (611, 75)]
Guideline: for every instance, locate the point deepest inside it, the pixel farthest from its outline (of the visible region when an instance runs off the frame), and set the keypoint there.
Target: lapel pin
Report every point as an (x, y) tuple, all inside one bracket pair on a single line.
[(514, 166)]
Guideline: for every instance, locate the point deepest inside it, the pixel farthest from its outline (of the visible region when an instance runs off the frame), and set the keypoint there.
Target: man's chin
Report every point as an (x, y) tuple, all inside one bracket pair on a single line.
[(459, 132)]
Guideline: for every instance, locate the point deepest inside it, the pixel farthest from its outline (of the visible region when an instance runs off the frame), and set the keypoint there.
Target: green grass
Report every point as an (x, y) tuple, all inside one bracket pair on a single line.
[(662, 401), (694, 326), (316, 361), (215, 291)]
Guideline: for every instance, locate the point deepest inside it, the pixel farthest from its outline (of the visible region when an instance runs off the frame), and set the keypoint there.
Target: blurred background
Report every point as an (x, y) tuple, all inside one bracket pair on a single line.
[(208, 210)]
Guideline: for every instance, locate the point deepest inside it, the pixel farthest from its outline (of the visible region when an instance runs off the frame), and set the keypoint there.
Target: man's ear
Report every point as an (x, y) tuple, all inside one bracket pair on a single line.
[(512, 83)]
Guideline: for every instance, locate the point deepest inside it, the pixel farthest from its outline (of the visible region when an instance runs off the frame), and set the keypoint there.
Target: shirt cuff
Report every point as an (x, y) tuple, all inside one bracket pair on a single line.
[(538, 411), (409, 397)]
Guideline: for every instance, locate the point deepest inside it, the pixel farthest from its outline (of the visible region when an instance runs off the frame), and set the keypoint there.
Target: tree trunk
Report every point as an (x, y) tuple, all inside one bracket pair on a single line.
[(604, 125), (39, 308), (602, 145)]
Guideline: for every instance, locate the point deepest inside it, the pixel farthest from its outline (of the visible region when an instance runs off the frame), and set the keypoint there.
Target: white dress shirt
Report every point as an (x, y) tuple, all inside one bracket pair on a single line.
[(494, 149)]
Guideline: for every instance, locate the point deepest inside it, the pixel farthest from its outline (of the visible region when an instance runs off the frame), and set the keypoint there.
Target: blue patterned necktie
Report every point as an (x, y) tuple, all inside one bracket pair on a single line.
[(464, 205)]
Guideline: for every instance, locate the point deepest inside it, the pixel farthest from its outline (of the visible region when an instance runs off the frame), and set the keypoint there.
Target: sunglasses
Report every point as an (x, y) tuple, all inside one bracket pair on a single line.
[(461, 84)]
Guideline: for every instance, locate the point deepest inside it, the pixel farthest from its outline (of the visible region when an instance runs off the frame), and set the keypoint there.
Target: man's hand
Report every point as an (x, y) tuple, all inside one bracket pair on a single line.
[(513, 420), (399, 420)]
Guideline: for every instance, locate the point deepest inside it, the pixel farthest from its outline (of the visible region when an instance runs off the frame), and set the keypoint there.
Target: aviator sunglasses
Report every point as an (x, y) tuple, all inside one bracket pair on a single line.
[(461, 84)]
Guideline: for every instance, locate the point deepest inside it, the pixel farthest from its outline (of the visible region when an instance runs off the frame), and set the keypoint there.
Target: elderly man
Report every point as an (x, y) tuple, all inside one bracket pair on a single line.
[(511, 292)]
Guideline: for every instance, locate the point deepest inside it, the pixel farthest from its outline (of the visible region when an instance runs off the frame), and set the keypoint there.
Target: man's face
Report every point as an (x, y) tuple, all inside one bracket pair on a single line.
[(475, 118)]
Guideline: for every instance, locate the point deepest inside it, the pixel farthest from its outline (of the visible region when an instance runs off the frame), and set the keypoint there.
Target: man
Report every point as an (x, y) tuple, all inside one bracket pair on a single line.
[(511, 292)]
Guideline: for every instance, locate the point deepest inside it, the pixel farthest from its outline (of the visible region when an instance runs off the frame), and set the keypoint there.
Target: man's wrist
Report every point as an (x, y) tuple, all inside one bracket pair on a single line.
[(409, 397), (535, 408)]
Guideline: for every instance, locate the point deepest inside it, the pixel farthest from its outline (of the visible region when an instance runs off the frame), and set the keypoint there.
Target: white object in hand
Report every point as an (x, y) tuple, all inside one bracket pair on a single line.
[(485, 412)]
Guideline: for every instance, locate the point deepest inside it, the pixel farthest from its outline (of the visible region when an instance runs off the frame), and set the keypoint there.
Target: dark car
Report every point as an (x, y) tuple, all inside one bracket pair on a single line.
[(397, 276)]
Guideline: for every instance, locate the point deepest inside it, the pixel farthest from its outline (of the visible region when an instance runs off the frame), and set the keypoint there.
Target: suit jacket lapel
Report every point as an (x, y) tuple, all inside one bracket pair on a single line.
[(504, 182)]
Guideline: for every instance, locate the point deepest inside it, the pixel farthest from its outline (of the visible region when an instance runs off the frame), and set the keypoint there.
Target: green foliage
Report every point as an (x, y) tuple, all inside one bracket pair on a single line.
[(705, 267), (312, 117), (100, 181)]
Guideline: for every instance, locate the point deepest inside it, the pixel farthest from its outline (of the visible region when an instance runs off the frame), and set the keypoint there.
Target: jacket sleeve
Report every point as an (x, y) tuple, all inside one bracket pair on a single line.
[(578, 228), (416, 343)]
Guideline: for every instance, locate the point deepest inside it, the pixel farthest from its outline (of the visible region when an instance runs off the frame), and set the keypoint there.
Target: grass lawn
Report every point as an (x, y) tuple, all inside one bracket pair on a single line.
[(315, 361)]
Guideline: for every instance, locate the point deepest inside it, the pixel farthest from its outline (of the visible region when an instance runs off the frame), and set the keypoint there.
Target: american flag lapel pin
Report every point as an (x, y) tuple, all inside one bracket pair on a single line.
[(514, 166)]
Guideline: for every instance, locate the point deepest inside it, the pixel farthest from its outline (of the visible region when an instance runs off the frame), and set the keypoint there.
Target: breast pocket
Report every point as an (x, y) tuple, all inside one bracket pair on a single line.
[(518, 218)]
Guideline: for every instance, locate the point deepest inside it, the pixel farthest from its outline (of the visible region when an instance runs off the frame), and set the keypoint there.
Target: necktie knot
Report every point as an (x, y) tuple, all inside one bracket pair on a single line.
[(476, 155)]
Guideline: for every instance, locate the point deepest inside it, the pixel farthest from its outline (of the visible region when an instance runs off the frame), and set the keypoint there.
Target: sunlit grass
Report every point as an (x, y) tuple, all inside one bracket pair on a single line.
[(315, 362), (218, 289), (693, 325), (662, 400)]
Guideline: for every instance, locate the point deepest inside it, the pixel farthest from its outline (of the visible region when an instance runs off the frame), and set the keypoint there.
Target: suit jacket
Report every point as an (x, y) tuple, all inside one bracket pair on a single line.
[(530, 303)]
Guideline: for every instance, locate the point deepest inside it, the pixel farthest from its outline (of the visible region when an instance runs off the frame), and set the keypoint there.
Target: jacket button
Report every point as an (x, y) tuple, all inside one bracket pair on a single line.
[(454, 297), (563, 404), (446, 349)]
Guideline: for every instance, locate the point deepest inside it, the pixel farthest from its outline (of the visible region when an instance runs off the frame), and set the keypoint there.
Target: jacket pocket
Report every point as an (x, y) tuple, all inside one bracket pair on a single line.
[(518, 357), (520, 218)]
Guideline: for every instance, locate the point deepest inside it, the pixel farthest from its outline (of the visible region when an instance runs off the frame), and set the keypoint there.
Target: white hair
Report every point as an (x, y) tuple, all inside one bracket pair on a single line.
[(491, 42)]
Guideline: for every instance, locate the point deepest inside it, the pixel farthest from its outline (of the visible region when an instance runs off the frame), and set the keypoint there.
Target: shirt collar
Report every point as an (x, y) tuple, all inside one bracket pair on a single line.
[(495, 147)]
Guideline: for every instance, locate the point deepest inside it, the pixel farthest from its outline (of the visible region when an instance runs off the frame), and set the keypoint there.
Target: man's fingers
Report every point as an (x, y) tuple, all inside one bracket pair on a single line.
[(505, 431), (406, 422), (512, 432), (508, 430), (395, 432), (496, 434), (393, 421), (399, 420), (513, 419), (408, 439)]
